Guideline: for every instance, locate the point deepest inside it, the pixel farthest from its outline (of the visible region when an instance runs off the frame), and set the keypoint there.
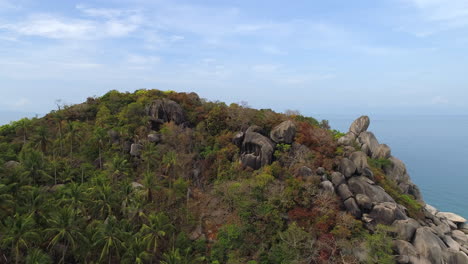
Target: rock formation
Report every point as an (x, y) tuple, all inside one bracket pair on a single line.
[(440, 237), (257, 150), (284, 132), (163, 111)]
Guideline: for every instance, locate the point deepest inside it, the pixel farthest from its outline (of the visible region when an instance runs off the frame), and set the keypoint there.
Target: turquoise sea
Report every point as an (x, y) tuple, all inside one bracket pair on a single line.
[(434, 149)]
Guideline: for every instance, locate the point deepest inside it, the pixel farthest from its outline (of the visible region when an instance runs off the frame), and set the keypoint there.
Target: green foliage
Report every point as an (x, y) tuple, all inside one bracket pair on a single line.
[(78, 196), (380, 246), (229, 238), (379, 163), (337, 134), (294, 245)]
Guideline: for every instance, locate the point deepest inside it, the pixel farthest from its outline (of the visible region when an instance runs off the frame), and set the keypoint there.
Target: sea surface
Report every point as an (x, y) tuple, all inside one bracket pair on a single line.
[(434, 149)]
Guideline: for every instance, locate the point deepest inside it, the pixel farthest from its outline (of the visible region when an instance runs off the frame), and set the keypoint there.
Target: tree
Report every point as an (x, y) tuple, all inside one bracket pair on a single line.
[(65, 230), (109, 239), (155, 230), (99, 137), (42, 139), (37, 256), (33, 164), (19, 232), (7, 202), (135, 251)]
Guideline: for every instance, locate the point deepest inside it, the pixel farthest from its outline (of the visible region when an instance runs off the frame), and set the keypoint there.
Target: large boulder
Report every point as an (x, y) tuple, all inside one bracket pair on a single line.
[(344, 192), (451, 217), (135, 149), (359, 125), (429, 245), (352, 207), (337, 178), (396, 172), (347, 140), (386, 213), (238, 139), (368, 142), (347, 167), (154, 137), (327, 186), (163, 111), (382, 151), (257, 150), (284, 132), (364, 202), (405, 248), (405, 228), (460, 237), (363, 185), (11, 164), (456, 257), (359, 159)]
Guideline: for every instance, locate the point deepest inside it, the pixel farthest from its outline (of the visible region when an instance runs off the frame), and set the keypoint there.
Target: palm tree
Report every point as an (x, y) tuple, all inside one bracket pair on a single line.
[(74, 196), (104, 200), (99, 137), (118, 167), (135, 251), (156, 228), (33, 163), (149, 155), (169, 160), (7, 202), (42, 138), (19, 233), (36, 203), (109, 239), (175, 257), (149, 181), (37, 256), (65, 230)]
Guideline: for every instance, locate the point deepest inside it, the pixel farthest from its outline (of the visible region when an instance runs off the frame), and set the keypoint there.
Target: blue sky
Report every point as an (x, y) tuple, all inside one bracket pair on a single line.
[(326, 57)]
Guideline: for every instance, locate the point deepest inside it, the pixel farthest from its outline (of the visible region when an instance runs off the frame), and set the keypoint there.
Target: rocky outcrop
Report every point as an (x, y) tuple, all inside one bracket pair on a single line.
[(386, 213), (359, 125), (429, 245), (363, 185), (284, 132), (257, 150), (359, 159), (347, 167), (405, 229), (440, 237), (451, 217), (163, 111), (382, 152)]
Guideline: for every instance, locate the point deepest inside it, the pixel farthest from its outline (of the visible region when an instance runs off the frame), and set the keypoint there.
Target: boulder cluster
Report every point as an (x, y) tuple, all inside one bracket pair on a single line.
[(438, 238), (160, 111), (257, 149)]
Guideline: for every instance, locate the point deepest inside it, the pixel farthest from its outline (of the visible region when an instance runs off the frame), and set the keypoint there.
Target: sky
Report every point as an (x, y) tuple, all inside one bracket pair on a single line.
[(318, 57)]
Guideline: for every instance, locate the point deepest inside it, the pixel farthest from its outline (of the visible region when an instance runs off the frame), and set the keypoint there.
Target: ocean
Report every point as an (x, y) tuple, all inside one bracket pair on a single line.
[(434, 149)]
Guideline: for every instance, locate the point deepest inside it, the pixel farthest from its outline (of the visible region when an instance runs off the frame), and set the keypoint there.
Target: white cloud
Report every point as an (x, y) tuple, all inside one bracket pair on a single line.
[(434, 16), (51, 27), (100, 12)]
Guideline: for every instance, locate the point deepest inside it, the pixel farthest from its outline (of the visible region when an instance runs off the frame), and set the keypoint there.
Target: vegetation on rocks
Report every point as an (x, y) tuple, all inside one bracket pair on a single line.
[(125, 178)]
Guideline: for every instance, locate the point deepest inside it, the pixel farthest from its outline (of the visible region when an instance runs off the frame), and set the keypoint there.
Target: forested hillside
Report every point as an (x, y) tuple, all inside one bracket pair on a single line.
[(166, 177)]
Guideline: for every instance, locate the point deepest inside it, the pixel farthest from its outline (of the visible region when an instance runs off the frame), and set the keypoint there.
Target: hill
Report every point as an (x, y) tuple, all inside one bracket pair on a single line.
[(166, 177)]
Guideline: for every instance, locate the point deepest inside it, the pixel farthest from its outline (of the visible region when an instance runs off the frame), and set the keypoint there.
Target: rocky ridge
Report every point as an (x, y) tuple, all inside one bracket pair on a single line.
[(438, 237)]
